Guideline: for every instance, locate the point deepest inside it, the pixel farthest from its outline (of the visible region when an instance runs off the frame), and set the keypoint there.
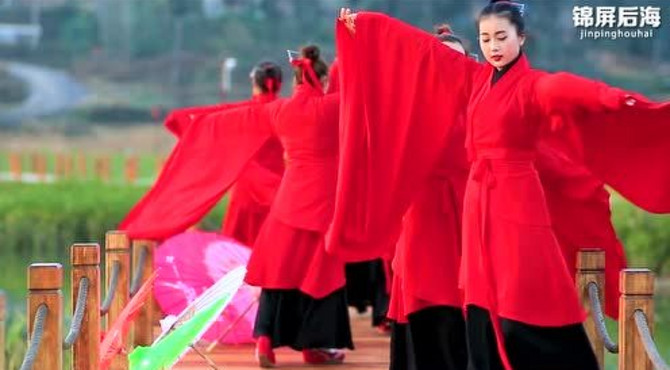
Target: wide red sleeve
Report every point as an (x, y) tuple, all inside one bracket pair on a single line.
[(180, 119), (626, 146), (580, 213), (205, 163), (262, 176), (400, 91), (333, 78)]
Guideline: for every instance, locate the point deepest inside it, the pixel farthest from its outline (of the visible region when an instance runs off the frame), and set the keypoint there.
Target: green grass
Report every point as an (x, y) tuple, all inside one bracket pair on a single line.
[(39, 222), (645, 236), (4, 161)]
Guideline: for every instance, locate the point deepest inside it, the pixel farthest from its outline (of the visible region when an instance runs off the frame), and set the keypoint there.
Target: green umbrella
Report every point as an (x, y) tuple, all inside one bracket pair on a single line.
[(168, 350)]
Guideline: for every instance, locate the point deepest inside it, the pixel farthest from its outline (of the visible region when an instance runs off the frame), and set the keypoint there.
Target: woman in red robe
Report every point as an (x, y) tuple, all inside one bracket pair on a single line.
[(368, 282), (255, 188), (429, 327), (522, 310), (191, 183), (303, 301)]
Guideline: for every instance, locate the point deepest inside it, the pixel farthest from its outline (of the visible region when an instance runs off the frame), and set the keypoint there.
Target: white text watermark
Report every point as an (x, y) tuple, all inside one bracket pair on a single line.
[(616, 22)]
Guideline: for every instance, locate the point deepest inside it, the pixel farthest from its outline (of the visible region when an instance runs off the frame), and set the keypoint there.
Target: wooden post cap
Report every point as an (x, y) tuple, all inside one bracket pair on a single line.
[(636, 282), (85, 254), (591, 260), (45, 276), (117, 240)]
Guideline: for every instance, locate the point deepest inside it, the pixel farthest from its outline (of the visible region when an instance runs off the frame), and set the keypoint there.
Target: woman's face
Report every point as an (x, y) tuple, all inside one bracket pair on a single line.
[(455, 45), (499, 40)]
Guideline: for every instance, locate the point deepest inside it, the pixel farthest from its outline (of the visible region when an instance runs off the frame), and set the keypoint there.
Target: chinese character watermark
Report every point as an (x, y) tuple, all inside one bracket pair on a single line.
[(614, 22)]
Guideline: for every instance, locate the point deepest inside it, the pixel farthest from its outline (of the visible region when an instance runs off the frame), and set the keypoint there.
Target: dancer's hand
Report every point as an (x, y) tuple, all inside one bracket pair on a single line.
[(630, 101), (349, 19)]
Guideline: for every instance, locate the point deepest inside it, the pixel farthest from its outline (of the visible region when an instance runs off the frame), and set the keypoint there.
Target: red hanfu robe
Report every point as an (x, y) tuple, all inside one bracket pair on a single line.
[(179, 120), (289, 252), (253, 193), (211, 154), (428, 253), (505, 216), (256, 186), (382, 175), (512, 263), (580, 214), (360, 290), (333, 78)]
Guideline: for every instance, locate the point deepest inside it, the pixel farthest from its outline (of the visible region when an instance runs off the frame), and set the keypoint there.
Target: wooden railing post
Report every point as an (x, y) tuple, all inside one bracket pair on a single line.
[(117, 247), (637, 293), (45, 281), (131, 166), (143, 329), (591, 268), (15, 166), (85, 261), (3, 316)]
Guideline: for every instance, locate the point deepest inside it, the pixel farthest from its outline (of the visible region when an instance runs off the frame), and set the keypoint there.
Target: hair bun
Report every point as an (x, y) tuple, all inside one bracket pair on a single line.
[(509, 2), (443, 29), (311, 52), (521, 7)]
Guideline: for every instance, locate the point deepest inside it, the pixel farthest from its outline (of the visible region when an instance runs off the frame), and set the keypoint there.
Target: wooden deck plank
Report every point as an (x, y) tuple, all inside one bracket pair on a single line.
[(372, 352)]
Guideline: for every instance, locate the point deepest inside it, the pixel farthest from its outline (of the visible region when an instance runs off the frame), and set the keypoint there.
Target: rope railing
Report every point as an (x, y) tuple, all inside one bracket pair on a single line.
[(45, 303), (599, 318), (648, 341), (84, 335), (36, 337), (117, 264), (590, 269), (142, 252), (636, 349), (139, 272), (111, 289), (80, 308)]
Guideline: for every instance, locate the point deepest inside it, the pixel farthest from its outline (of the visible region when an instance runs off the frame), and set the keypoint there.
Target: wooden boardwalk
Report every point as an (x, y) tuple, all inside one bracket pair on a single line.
[(372, 352)]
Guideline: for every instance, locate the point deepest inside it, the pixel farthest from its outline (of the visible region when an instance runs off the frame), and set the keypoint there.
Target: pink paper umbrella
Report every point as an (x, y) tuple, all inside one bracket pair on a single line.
[(193, 261)]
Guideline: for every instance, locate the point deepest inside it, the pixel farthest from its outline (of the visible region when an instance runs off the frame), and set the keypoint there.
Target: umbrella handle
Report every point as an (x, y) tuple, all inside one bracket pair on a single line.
[(209, 361), (232, 325)]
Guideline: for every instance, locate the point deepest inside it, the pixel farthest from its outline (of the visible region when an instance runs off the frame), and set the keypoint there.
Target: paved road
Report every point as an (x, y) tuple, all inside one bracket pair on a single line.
[(51, 91)]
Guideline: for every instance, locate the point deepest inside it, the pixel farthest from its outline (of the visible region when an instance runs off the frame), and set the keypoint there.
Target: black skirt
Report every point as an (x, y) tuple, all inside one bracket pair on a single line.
[(434, 338), (438, 338), (293, 318), (366, 286), (402, 354), (528, 347)]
